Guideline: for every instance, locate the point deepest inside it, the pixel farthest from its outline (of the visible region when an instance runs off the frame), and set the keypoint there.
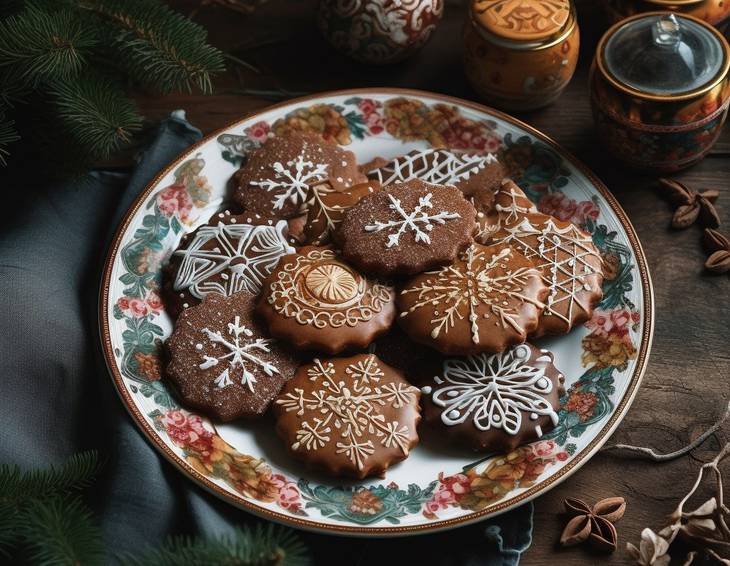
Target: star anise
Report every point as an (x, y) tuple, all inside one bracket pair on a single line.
[(593, 524), (718, 246), (691, 205)]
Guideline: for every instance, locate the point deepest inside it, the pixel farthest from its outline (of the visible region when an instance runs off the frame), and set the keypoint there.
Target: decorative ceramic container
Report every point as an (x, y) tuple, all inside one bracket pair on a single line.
[(379, 31), (520, 54), (660, 89), (711, 11)]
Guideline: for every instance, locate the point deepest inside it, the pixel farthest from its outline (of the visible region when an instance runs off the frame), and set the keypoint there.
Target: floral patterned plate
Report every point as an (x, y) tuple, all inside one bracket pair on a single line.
[(437, 486)]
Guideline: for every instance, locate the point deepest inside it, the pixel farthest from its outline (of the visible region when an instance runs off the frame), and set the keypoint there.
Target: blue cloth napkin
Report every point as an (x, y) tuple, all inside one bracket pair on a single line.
[(58, 399)]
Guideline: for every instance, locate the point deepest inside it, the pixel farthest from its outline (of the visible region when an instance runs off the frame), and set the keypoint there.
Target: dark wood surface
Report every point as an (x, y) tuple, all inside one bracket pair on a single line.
[(686, 384)]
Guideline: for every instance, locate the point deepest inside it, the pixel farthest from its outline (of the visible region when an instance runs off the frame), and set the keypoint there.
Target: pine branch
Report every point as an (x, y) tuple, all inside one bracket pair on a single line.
[(61, 530), (268, 545), (97, 115), (156, 46), (38, 45)]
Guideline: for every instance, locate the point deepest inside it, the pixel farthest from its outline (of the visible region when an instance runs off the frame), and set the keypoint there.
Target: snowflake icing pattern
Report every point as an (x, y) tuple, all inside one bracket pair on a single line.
[(292, 182), (243, 256), (445, 167), (493, 391), (456, 292), (346, 415), (241, 350), (411, 221)]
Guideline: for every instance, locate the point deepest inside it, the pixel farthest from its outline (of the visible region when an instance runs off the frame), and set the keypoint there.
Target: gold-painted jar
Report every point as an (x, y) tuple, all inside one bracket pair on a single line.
[(520, 54), (712, 11), (660, 89)]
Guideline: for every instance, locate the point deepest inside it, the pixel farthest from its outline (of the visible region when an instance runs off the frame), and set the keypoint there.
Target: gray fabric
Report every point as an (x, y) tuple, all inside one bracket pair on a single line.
[(58, 399)]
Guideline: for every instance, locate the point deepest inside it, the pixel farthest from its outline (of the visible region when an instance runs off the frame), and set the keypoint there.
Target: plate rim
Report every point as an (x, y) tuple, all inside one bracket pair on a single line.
[(401, 530)]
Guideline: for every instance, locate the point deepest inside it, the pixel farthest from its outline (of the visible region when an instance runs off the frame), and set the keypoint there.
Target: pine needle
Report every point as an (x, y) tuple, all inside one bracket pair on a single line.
[(7, 136)]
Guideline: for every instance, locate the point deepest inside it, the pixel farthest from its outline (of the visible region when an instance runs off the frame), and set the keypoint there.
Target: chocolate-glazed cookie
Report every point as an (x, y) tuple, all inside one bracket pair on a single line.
[(508, 202), (316, 301), (478, 176), (275, 179), (488, 299), (225, 256), (406, 228), (350, 417), (495, 403), (222, 363)]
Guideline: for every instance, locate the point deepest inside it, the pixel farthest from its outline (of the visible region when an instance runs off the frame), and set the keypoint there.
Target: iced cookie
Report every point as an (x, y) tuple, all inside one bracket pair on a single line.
[(495, 403), (316, 301), (276, 178), (478, 176), (488, 299), (350, 417), (508, 201), (222, 363), (225, 256), (406, 228)]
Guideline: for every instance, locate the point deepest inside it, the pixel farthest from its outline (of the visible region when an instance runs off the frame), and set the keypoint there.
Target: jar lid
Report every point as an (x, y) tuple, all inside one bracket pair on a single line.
[(664, 54), (521, 20)]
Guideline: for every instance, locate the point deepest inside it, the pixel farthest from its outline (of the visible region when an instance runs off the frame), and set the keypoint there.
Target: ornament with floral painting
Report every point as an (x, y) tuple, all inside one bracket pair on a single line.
[(438, 486)]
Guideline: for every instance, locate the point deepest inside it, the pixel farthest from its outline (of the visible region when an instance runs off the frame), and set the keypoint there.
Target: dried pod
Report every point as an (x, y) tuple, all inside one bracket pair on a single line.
[(685, 216), (677, 192), (708, 215), (576, 531), (719, 261), (710, 194), (714, 241), (574, 506), (611, 508), (603, 535)]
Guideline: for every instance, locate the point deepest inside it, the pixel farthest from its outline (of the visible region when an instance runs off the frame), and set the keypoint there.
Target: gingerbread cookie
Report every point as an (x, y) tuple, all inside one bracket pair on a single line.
[(569, 262), (326, 208), (276, 178), (316, 301), (508, 202), (406, 228), (349, 417), (225, 256), (478, 176), (487, 300), (222, 363), (495, 403)]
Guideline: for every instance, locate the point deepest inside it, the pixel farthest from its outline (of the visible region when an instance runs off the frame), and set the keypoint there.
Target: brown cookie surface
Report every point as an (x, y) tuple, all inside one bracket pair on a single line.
[(495, 402), (478, 176), (488, 299), (508, 202), (276, 178), (326, 208), (569, 262), (225, 256), (350, 417), (406, 228), (315, 300), (221, 361)]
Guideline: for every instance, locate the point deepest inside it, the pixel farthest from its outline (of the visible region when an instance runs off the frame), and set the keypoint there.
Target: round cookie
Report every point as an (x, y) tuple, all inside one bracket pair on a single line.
[(222, 363), (508, 202), (316, 301), (495, 403), (326, 208), (478, 176), (406, 228), (490, 298), (350, 417), (276, 178), (227, 255), (570, 263)]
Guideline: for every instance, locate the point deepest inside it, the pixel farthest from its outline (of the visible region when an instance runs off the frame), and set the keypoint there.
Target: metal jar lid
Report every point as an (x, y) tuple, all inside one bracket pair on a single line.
[(523, 24), (663, 56)]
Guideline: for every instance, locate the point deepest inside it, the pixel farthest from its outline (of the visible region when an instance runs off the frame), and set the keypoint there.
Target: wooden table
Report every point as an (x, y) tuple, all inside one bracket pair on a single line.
[(686, 383)]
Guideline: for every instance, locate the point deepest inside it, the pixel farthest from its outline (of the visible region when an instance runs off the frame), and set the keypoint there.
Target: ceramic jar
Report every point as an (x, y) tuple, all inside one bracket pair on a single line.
[(660, 90), (378, 31), (520, 54), (711, 11)]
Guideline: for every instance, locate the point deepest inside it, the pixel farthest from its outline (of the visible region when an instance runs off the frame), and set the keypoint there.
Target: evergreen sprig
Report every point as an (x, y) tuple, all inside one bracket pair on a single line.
[(7, 136)]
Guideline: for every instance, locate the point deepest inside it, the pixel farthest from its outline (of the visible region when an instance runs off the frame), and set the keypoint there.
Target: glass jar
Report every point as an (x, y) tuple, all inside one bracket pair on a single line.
[(520, 54), (660, 90), (712, 11)]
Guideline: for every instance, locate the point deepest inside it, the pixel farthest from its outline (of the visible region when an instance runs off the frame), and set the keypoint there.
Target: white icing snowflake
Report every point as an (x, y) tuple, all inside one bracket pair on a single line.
[(494, 391), (241, 350), (292, 181), (436, 166), (349, 414), (242, 257), (411, 221)]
